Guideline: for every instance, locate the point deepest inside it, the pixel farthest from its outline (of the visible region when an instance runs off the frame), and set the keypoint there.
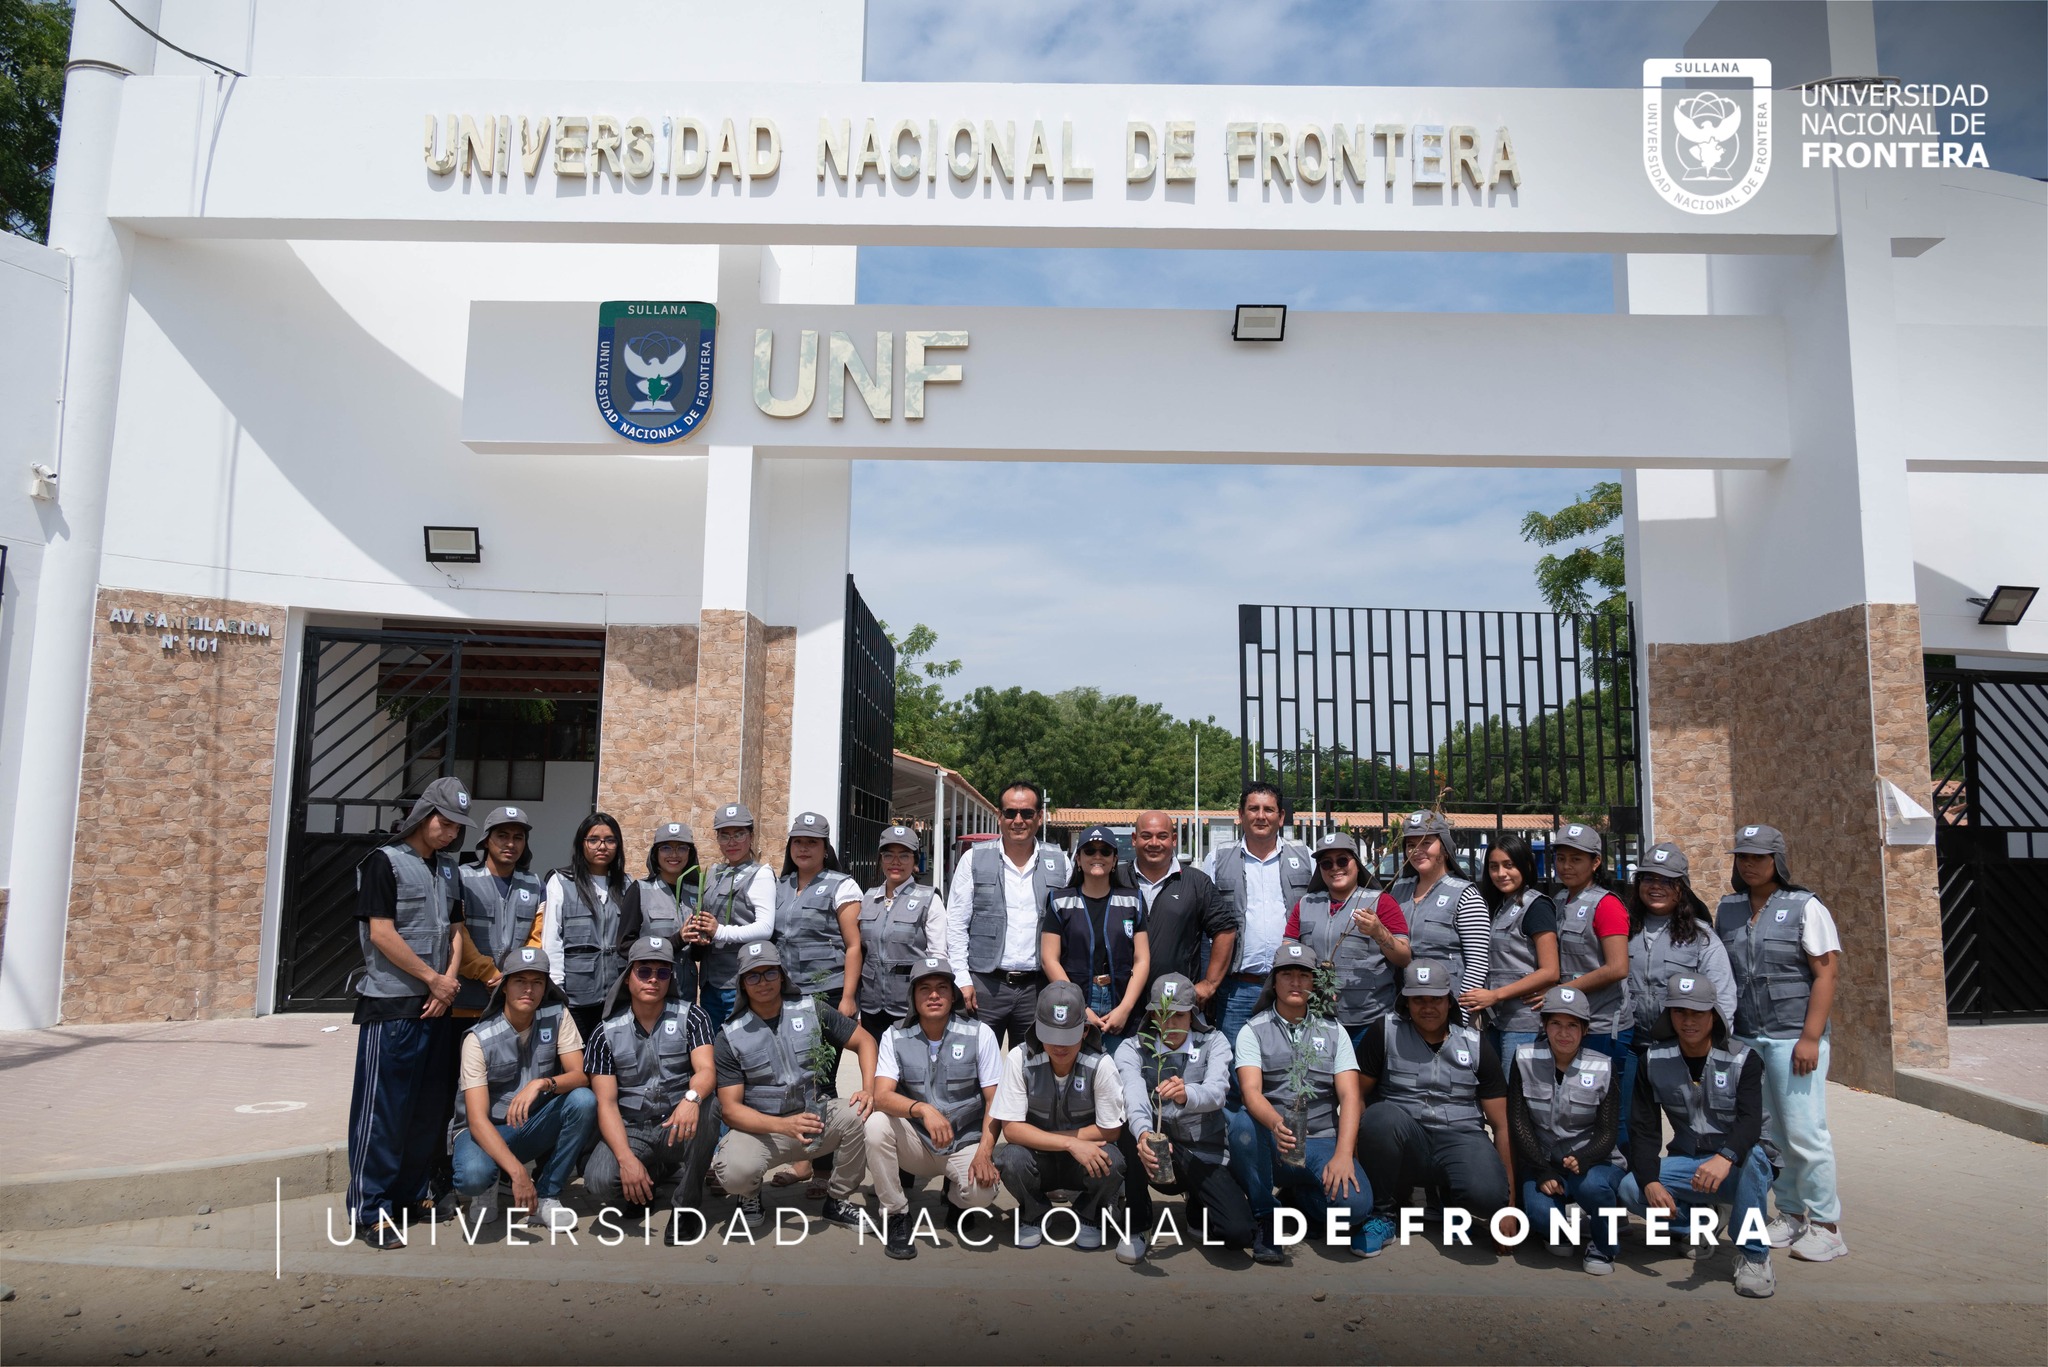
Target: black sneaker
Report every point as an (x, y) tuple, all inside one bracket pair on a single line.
[(899, 1245), (956, 1219), (384, 1234), (675, 1220), (835, 1212), (1265, 1252)]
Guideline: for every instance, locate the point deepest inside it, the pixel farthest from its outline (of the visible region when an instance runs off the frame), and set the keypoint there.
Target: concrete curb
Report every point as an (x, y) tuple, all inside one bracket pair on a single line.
[(145, 1191), (2026, 1120)]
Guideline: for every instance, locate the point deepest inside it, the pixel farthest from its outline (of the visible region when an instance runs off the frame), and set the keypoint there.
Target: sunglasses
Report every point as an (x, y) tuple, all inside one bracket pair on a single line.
[(760, 975), (653, 972), (1098, 851), (1333, 861), (1019, 813)]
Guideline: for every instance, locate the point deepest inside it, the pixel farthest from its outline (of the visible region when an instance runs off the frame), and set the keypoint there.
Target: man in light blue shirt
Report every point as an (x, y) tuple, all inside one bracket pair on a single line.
[(1260, 881)]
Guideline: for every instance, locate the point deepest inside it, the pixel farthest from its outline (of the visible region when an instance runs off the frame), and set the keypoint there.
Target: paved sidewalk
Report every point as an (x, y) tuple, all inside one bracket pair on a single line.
[(2012, 1059), (104, 1096)]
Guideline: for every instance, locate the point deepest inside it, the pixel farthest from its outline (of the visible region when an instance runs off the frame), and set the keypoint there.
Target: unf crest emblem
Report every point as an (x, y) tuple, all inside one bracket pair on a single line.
[(1059, 1015), (1587, 1079), (1464, 1058), (1685, 984), (959, 1051), (1707, 131), (670, 1027), (654, 367), (1782, 913), (547, 1034)]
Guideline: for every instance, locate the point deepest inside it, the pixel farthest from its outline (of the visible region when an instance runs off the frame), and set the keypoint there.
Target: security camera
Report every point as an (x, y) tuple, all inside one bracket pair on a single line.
[(42, 481)]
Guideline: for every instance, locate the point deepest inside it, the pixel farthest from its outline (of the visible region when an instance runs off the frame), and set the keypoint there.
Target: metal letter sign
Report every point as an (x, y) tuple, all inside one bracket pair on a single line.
[(654, 367), (1707, 139)]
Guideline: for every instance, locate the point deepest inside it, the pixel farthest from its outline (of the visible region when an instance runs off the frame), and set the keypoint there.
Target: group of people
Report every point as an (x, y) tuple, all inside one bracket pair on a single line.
[(1271, 1030)]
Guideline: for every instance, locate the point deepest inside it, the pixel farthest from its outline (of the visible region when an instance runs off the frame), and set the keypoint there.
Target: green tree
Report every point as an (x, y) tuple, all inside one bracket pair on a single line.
[(1563, 579), (35, 39), (926, 723)]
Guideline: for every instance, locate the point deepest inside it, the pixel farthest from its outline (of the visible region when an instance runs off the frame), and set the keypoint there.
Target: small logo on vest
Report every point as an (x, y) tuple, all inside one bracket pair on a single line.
[(1782, 913), (525, 895), (797, 1023), (547, 1034), (1587, 1080), (1293, 862), (1464, 1057), (669, 1026), (1721, 1078), (959, 1051), (1130, 925), (1443, 899), (1685, 984), (1080, 1083), (654, 367)]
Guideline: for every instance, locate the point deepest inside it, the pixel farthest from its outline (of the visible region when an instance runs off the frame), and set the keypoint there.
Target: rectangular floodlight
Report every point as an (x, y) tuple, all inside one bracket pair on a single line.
[(1260, 323), (2006, 605), (454, 546)]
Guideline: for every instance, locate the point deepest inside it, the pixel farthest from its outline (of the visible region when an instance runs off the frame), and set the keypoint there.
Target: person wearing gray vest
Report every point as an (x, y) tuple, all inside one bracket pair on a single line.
[(901, 924), (817, 916), (650, 1068), (1258, 880), (1524, 963), (1786, 955), (1437, 1087), (583, 923), (664, 901), (1061, 1107), (500, 900), (1175, 1076), (935, 1078), (738, 910), (993, 907), (1299, 1126), (1710, 1087), (523, 1098), (1447, 917), (1592, 937), (408, 904), (1355, 931), (776, 1065), (1670, 930), (1564, 1114)]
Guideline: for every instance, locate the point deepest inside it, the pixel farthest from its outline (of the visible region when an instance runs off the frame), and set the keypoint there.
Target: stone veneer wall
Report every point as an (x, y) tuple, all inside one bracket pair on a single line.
[(777, 712), (173, 815), (1794, 728), (647, 750)]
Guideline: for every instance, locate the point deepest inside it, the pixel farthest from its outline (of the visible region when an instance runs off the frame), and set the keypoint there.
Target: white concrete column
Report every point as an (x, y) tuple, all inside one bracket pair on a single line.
[(46, 803), (733, 549)]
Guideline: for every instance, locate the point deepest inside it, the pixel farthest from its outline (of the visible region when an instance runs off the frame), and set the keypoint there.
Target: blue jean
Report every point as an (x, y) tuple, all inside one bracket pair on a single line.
[(1102, 1001), (1744, 1187), (1631, 1064), (718, 1003), (1590, 1191), (1797, 1109), (1506, 1042), (1235, 1000), (553, 1137), (1256, 1161), (1615, 1046)]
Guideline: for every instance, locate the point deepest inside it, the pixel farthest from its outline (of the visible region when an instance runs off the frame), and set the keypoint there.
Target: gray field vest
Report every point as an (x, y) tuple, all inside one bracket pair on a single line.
[(660, 913), (498, 922), (726, 897), (1773, 980), (892, 938), (1053, 1104), (591, 960), (1202, 1134), (1439, 1087), (1702, 1113), (1297, 868), (1276, 1061), (653, 1070), (774, 1059), (1366, 982), (1652, 959), (1565, 1109), (952, 1083), (510, 1063), (426, 894), (1433, 922), (989, 919), (1578, 952), (807, 932), (1514, 958)]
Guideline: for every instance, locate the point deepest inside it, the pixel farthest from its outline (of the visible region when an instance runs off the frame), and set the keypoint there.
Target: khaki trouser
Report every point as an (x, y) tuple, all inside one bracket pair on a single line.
[(895, 1145), (743, 1159)]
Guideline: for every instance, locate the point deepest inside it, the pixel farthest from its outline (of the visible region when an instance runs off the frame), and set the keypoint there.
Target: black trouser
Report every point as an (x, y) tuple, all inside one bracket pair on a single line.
[(1007, 1003), (1030, 1174), (1208, 1184), (587, 1019), (878, 1023), (661, 1159), (1399, 1154)]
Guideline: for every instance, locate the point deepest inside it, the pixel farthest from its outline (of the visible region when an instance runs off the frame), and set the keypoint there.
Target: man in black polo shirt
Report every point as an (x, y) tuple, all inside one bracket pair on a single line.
[(1182, 908)]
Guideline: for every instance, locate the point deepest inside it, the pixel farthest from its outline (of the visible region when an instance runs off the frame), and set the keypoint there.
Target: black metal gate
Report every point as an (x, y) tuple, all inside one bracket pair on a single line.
[(1527, 717), (380, 715), (1988, 747), (867, 747)]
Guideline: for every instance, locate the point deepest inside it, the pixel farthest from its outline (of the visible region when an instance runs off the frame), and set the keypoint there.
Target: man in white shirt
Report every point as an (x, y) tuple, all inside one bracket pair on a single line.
[(1259, 881), (1061, 1106), (992, 912)]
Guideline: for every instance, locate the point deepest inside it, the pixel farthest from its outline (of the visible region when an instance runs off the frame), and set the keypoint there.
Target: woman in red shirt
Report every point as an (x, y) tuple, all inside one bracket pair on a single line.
[(1592, 938)]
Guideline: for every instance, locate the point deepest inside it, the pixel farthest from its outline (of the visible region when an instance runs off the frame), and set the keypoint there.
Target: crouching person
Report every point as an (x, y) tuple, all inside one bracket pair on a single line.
[(650, 1068), (1564, 1108), (1061, 1107), (774, 1062), (933, 1084), (524, 1098), (1299, 1126), (1175, 1076), (1711, 1088)]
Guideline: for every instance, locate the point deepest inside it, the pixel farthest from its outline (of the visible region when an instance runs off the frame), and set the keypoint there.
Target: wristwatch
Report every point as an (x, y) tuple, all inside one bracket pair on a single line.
[(690, 1095)]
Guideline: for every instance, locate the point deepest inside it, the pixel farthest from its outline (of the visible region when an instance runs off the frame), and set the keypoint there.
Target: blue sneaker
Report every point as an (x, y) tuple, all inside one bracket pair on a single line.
[(1379, 1231)]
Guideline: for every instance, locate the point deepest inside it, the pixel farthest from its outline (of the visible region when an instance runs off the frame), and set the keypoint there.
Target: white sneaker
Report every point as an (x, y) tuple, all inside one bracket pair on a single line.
[(1598, 1264), (1819, 1244), (1784, 1228), (544, 1214), (1563, 1249), (1029, 1236), (1130, 1249), (1753, 1277), (1089, 1239)]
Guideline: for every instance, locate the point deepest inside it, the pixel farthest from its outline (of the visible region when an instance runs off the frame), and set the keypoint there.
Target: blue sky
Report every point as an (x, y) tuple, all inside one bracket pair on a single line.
[(1128, 577)]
